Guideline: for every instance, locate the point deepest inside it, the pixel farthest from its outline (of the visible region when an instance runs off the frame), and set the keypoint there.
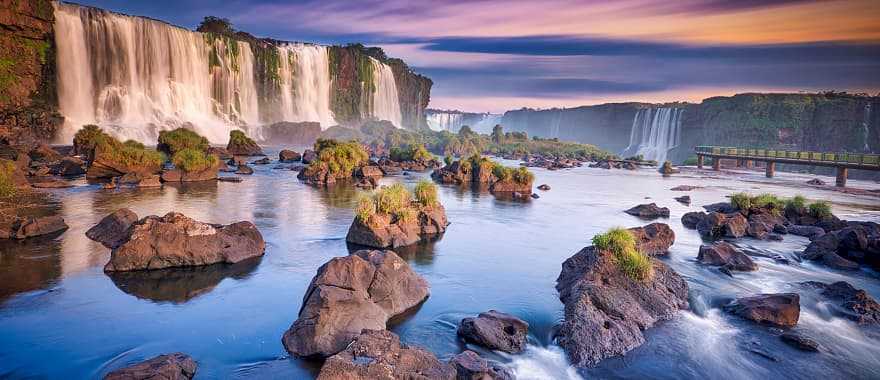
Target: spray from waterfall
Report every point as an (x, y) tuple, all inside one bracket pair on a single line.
[(654, 132)]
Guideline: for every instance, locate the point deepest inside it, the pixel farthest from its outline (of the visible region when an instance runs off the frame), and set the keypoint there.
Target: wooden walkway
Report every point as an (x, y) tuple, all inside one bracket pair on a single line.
[(841, 161)]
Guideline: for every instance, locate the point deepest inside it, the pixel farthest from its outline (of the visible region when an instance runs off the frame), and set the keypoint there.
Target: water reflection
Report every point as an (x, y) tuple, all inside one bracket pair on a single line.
[(180, 285), (28, 265), (421, 253)]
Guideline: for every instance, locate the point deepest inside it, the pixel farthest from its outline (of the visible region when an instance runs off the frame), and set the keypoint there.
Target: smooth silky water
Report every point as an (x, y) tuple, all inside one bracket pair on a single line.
[(61, 316)]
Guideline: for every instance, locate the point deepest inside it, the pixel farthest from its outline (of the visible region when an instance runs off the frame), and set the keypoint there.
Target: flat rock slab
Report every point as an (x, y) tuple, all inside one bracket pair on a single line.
[(649, 211), (495, 330), (176, 366), (782, 309)]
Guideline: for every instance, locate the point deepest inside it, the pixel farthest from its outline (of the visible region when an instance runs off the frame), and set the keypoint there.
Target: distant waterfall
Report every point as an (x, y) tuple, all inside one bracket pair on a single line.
[(386, 104), (866, 127), (452, 121), (444, 121), (487, 122), (136, 76), (654, 132)]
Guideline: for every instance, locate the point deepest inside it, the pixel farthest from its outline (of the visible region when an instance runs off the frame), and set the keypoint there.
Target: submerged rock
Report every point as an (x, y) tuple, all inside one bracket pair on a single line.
[(470, 366), (544, 187), (684, 199), (607, 312), (244, 169), (653, 239), (649, 211), (176, 366), (349, 294), (379, 355), (684, 188), (782, 309), (112, 230), (816, 182), (725, 255), (799, 341), (495, 330), (855, 304), (175, 240)]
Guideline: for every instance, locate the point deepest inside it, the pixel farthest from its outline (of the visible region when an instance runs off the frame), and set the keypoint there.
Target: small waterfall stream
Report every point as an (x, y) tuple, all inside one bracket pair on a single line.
[(386, 104), (654, 132)]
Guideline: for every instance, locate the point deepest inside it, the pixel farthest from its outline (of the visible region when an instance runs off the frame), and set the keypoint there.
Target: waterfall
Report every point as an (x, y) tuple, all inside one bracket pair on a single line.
[(386, 104), (136, 76), (654, 132), (487, 122), (866, 127), (444, 121)]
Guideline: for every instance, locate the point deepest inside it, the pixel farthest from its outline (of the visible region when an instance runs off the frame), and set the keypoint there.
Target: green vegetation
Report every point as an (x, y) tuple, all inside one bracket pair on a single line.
[(366, 208), (193, 160), (448, 159), (237, 137), (392, 199), (820, 209), (796, 205), (7, 184), (85, 140), (171, 142), (426, 193), (622, 245), (131, 155), (744, 202), (520, 175), (134, 144), (410, 153), (340, 157)]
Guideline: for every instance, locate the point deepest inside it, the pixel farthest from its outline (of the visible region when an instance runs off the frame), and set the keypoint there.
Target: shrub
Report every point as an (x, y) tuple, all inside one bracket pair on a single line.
[(340, 157), (520, 175), (742, 201), (237, 137), (820, 209), (179, 139), (366, 208), (7, 183), (112, 150), (769, 201), (134, 144), (622, 245), (391, 199), (192, 160), (426, 193), (406, 215), (87, 138), (410, 153), (796, 205)]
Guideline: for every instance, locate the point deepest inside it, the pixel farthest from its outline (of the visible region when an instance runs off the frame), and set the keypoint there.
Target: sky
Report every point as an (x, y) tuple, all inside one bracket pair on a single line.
[(493, 55)]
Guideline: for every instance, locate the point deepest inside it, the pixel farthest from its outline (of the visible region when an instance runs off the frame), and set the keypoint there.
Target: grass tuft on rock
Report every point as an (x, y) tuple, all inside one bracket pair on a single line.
[(340, 157), (426, 193), (7, 184), (391, 199), (410, 153), (132, 155), (622, 245), (796, 205), (397, 202), (193, 160), (744, 202), (820, 209), (520, 175), (171, 142), (366, 208), (86, 139)]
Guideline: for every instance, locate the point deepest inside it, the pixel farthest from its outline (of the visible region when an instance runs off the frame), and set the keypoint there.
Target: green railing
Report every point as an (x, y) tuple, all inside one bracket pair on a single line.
[(806, 156)]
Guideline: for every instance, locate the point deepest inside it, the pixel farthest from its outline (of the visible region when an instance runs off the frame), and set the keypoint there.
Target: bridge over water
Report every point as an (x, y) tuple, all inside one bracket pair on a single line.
[(841, 161)]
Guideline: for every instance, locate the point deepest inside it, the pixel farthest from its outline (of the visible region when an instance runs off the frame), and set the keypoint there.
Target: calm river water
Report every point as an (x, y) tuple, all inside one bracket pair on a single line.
[(61, 316)]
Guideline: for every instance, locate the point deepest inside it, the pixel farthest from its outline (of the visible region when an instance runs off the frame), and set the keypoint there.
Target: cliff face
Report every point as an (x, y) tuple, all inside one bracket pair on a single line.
[(28, 100), (605, 125)]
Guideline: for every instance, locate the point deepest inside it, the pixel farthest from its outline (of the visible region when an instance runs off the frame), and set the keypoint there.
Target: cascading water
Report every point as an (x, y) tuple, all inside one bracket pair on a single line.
[(654, 132), (386, 104), (444, 121), (866, 127), (135, 76), (487, 122)]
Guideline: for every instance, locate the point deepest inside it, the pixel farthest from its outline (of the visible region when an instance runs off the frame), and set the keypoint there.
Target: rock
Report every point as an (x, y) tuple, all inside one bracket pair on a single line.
[(836, 261), (607, 312), (725, 255), (262, 161), (535, 196), (854, 304), (51, 184), (810, 232), (383, 232), (241, 145), (510, 186), (816, 182), (44, 153), (15, 227), (289, 156), (69, 167), (852, 239), (112, 230), (229, 179), (220, 152), (684, 188), (685, 199), (349, 294), (152, 180), (495, 330), (175, 240), (799, 341), (649, 211), (308, 156), (379, 355), (544, 187), (180, 175), (666, 169), (653, 239), (370, 171), (107, 164), (826, 243), (736, 226), (244, 169), (782, 309), (470, 366), (176, 366), (692, 219), (716, 225), (720, 207)]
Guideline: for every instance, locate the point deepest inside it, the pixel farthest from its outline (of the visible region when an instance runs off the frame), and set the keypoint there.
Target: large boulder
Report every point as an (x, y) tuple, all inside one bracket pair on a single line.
[(383, 231), (649, 211), (810, 232), (175, 240), (782, 309), (653, 239), (510, 186), (725, 255), (241, 145), (289, 156), (348, 294), (692, 219), (176, 366), (180, 175), (495, 330), (17, 227), (309, 156), (69, 167), (717, 225), (854, 304), (108, 163), (607, 312), (112, 230), (379, 355), (470, 366)]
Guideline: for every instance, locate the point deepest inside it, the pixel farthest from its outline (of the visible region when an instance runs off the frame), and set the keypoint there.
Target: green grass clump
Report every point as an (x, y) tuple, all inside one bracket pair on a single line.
[(237, 137), (406, 215), (131, 155), (622, 245), (192, 160), (7, 184), (426, 193), (741, 201), (410, 153), (448, 159), (520, 175), (340, 157), (171, 142), (134, 144), (391, 199), (87, 138), (820, 209), (366, 208), (796, 205)]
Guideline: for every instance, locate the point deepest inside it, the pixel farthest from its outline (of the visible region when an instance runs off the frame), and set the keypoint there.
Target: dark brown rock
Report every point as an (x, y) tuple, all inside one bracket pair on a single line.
[(495, 330), (684, 188), (379, 355), (69, 166), (544, 187), (720, 207), (289, 156), (816, 182), (649, 211), (692, 219), (220, 152), (179, 175), (607, 312), (175, 240), (31, 227), (799, 341), (725, 255), (243, 147), (244, 169), (716, 225), (349, 294), (653, 239), (383, 231), (470, 366), (782, 309), (112, 230), (309, 156), (44, 153), (854, 304), (176, 366), (684, 199)]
